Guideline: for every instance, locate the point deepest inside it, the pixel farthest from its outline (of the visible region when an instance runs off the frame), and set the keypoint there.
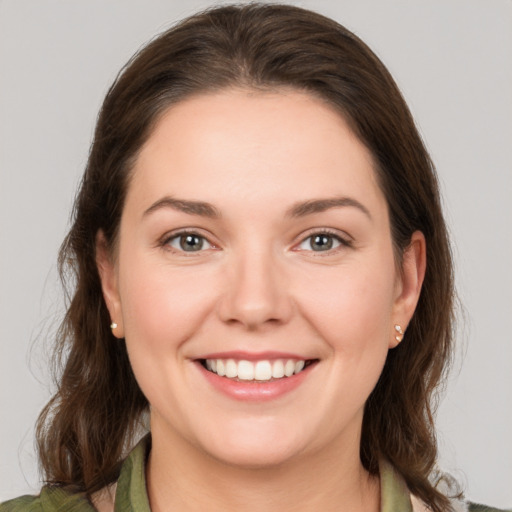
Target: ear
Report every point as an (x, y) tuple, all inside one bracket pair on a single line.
[(409, 283), (109, 284)]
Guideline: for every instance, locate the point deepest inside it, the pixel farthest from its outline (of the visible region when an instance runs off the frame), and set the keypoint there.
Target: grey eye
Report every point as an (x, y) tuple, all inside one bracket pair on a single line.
[(320, 242), (189, 242)]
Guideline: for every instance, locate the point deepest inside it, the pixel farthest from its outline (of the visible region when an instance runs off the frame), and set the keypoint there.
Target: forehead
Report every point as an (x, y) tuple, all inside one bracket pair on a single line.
[(253, 146)]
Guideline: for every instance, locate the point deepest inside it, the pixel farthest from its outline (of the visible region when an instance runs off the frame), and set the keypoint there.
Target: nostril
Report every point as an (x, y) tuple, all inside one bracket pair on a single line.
[(256, 293)]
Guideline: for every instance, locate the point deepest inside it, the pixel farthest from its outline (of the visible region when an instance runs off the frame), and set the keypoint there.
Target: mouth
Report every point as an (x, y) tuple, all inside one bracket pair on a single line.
[(256, 371)]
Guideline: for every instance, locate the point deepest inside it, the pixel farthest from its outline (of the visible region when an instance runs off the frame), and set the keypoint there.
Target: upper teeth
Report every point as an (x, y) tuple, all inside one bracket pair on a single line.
[(257, 370)]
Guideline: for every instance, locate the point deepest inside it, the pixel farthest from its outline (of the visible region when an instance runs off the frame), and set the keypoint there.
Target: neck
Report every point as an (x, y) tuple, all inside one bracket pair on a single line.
[(182, 478)]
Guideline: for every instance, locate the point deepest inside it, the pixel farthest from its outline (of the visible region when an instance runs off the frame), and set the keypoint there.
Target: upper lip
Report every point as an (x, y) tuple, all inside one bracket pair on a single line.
[(240, 355)]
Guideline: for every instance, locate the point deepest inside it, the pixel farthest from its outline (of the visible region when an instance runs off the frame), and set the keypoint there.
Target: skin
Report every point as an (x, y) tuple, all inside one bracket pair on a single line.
[(258, 285)]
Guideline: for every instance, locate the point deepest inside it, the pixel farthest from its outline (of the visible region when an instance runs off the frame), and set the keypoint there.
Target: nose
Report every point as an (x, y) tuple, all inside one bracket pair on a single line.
[(256, 291)]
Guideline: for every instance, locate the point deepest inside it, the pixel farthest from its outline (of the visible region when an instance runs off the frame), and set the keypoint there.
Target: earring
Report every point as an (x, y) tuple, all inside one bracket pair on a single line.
[(400, 334), (113, 325)]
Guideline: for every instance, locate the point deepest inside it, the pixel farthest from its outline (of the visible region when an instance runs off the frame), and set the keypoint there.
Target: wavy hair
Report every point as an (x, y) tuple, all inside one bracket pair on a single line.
[(84, 431)]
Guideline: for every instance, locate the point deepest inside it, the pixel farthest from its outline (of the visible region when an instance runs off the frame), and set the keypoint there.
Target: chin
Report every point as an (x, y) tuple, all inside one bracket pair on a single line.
[(252, 458), (254, 448)]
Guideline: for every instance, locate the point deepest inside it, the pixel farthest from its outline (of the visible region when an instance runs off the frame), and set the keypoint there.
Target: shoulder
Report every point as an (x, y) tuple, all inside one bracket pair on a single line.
[(475, 507), (457, 505), (51, 499), (129, 491), (22, 504), (450, 487)]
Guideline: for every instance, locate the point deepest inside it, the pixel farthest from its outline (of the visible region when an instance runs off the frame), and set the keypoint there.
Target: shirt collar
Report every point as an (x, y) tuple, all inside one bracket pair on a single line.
[(131, 493), (394, 494)]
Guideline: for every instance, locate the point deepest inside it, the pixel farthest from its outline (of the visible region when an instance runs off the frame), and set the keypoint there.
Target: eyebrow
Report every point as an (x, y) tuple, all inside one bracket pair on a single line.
[(199, 208), (301, 209), (321, 205)]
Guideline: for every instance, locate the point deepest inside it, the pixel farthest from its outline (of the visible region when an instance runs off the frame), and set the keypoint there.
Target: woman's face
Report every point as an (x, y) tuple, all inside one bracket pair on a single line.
[(255, 241)]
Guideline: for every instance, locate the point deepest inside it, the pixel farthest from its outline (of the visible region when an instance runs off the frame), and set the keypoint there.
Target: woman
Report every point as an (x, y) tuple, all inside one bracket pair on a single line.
[(262, 269)]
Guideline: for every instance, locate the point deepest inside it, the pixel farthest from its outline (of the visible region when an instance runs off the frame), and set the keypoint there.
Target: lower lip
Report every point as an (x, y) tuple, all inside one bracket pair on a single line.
[(255, 391)]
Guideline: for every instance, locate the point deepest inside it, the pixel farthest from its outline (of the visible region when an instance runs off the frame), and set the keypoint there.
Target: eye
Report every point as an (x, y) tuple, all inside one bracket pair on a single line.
[(321, 242), (188, 242)]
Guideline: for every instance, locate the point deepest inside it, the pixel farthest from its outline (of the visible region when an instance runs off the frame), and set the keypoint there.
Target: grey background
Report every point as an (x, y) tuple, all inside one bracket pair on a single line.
[(453, 62)]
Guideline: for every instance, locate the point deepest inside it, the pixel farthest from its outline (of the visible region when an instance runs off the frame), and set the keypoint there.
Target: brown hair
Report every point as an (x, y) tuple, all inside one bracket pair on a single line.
[(84, 431)]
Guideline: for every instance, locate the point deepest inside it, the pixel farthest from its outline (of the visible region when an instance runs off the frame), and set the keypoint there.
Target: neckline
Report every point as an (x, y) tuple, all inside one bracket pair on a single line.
[(132, 496)]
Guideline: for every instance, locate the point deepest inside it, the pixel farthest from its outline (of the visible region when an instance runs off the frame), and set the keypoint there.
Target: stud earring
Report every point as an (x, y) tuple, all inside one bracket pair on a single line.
[(400, 334), (113, 325)]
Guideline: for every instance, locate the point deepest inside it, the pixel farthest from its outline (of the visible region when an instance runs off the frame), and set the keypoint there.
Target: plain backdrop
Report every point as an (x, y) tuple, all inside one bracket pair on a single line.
[(453, 62)]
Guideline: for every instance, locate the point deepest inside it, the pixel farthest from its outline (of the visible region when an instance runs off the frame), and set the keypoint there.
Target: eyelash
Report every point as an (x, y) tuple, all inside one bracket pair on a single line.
[(343, 242), (167, 239)]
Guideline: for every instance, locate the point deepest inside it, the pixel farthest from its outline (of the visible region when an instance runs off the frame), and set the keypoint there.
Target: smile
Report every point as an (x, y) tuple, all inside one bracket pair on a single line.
[(262, 371)]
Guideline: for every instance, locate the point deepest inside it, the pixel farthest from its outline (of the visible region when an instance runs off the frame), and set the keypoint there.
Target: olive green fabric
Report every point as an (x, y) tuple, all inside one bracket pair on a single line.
[(394, 494), (131, 495)]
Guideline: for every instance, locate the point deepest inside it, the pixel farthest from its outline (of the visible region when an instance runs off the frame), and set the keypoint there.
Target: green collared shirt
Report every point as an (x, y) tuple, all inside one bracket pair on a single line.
[(131, 494)]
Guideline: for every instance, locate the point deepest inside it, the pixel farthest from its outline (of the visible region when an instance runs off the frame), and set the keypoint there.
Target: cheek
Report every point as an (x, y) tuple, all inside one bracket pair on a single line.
[(163, 307), (164, 304), (351, 307)]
